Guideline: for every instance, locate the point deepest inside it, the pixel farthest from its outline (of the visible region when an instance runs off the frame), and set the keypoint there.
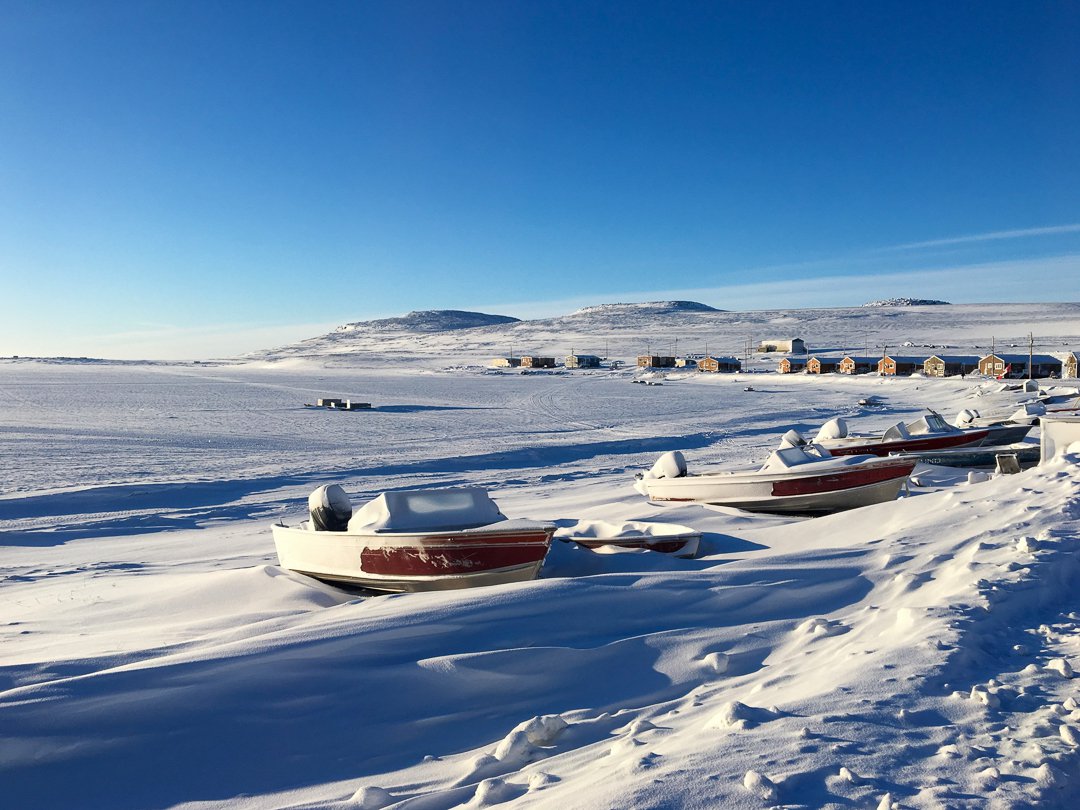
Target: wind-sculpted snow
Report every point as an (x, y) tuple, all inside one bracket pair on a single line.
[(153, 654)]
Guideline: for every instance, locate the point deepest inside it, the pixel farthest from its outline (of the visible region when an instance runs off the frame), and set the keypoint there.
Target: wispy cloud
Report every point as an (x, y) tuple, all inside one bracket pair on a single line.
[(986, 282), (1022, 233)]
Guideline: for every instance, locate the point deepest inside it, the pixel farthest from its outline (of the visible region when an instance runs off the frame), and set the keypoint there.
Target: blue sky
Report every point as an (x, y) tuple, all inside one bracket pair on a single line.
[(195, 179)]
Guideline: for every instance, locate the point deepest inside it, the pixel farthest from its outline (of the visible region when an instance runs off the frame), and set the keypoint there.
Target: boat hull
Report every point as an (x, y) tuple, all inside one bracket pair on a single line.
[(818, 492), (1006, 434), (877, 447), (1027, 455), (408, 562)]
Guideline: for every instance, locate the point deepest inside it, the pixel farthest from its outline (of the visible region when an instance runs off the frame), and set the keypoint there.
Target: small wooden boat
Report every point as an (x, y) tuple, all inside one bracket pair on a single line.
[(794, 480), (419, 540), (667, 538)]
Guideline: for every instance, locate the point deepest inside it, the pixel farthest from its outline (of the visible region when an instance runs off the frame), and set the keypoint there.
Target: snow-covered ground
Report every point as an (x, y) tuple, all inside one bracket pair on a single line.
[(153, 654)]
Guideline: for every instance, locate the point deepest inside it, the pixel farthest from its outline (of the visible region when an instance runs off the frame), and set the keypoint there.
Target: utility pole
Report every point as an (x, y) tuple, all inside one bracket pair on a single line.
[(1031, 352)]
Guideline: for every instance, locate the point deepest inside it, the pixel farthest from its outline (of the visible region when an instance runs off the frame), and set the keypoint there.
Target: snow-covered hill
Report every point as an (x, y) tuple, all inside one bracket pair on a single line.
[(430, 320), (626, 330), (905, 302)]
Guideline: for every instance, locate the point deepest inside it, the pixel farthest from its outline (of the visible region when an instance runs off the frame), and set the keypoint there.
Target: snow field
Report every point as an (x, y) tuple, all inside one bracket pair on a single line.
[(152, 653)]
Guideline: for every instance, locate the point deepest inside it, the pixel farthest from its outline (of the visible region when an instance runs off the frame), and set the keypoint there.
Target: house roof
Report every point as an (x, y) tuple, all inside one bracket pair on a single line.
[(955, 358), (1042, 359), (907, 358)]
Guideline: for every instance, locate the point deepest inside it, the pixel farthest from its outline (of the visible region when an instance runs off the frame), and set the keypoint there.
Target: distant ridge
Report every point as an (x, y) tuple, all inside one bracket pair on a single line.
[(906, 302), (650, 307), (430, 320)]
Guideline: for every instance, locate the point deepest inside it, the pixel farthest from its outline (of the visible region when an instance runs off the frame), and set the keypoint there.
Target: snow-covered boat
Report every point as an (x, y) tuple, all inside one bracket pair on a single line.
[(420, 540), (796, 479), (667, 538), (930, 432), (1002, 431)]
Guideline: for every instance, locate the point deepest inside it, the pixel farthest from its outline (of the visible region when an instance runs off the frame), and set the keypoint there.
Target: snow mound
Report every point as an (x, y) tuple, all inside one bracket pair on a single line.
[(430, 320)]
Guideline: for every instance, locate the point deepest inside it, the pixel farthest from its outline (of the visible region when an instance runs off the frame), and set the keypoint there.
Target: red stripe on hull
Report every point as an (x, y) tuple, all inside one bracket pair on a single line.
[(910, 445), (834, 482), (450, 558)]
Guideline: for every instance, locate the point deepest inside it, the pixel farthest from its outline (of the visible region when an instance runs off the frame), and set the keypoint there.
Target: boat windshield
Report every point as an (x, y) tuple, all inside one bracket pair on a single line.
[(931, 423)]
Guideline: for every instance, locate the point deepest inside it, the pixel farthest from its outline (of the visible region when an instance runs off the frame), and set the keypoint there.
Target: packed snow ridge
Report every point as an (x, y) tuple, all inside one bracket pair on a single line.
[(660, 307), (906, 302), (431, 320)]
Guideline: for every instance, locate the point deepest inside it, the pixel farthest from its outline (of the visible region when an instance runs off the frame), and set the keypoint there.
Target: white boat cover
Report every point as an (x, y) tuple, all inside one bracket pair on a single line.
[(426, 510)]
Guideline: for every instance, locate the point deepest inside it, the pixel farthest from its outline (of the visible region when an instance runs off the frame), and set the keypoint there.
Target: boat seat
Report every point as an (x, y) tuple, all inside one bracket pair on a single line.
[(787, 457), (896, 433)]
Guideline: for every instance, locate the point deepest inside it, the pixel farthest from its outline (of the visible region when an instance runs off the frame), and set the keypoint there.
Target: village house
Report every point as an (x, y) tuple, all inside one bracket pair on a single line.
[(582, 361), (506, 362), (723, 365), (1015, 366), (892, 364), (530, 361), (850, 364), (655, 361), (688, 360), (941, 365), (789, 365), (791, 346), (822, 365)]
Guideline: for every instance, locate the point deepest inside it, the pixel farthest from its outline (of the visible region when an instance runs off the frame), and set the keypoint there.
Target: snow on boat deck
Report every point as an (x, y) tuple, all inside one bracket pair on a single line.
[(153, 654)]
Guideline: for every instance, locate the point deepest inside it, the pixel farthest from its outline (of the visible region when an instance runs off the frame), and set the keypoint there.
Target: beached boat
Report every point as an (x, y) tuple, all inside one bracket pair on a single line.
[(420, 540), (667, 538), (1026, 454), (930, 432), (796, 479), (1001, 431)]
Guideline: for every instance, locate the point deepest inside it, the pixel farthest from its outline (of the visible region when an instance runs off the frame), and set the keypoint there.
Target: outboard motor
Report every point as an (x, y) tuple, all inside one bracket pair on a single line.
[(670, 465), (792, 439), (966, 418), (833, 429), (330, 509)]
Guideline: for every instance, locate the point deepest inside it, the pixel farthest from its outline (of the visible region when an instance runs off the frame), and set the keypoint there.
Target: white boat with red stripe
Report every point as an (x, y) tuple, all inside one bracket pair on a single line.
[(795, 479), (930, 432), (417, 540)]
